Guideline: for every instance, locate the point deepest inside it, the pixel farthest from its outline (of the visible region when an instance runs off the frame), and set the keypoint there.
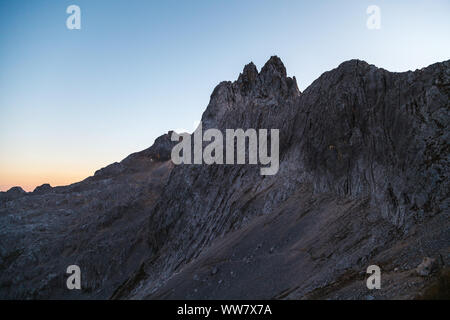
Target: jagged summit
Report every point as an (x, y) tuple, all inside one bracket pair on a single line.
[(138, 161), (273, 74), (270, 87), (249, 74), (274, 66)]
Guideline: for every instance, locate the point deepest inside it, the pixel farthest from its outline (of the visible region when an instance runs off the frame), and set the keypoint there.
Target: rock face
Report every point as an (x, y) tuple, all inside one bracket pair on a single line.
[(12, 194), (363, 180), (42, 189)]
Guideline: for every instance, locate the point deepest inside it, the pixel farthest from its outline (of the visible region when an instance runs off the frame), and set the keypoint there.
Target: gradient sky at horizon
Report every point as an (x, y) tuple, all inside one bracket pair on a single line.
[(73, 101)]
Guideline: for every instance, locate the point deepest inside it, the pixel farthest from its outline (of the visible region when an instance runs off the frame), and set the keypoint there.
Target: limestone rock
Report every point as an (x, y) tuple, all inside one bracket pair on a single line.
[(426, 267)]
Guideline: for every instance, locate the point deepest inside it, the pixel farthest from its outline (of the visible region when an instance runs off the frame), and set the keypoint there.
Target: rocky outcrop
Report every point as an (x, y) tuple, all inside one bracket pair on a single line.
[(363, 180), (159, 151), (12, 194), (44, 188)]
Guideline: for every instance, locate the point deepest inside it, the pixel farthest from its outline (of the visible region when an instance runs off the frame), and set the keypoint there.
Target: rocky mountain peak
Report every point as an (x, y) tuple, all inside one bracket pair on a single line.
[(274, 78), (270, 87), (249, 74), (274, 66)]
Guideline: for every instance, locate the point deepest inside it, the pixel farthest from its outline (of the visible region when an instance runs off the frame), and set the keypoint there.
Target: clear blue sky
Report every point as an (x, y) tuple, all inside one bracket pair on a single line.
[(72, 101)]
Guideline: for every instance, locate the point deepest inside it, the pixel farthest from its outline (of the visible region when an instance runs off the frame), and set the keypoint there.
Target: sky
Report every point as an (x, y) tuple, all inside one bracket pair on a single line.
[(74, 101)]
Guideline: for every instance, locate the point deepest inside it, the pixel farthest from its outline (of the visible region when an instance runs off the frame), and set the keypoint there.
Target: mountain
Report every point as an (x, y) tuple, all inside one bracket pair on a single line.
[(363, 180)]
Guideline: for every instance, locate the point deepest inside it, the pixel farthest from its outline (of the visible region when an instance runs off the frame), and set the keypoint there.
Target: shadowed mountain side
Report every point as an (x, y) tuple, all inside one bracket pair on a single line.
[(311, 247)]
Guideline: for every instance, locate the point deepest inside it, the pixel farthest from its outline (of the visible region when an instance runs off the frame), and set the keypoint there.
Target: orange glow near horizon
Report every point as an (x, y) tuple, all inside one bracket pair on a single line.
[(29, 178), (29, 164), (29, 183)]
